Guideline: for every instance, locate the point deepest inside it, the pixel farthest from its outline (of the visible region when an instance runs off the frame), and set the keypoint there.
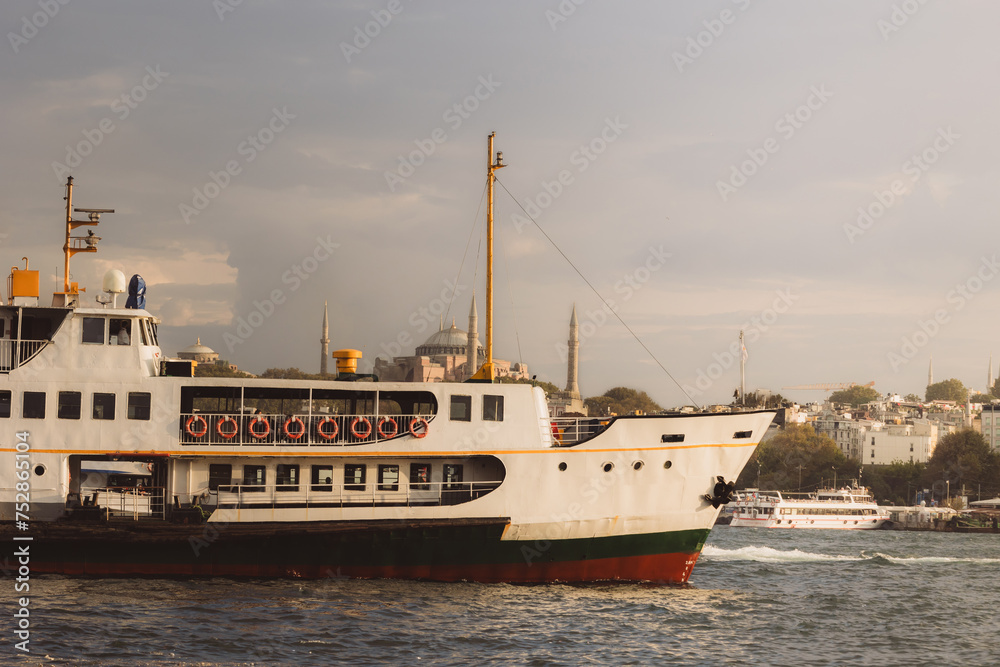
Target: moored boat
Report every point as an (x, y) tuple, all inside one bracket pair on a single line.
[(347, 477), (851, 508)]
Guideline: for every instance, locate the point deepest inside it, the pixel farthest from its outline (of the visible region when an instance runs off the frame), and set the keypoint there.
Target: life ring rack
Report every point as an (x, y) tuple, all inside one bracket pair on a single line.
[(391, 433), (228, 435), (294, 435), (322, 433), (259, 420), (196, 419), (419, 421), (354, 428)]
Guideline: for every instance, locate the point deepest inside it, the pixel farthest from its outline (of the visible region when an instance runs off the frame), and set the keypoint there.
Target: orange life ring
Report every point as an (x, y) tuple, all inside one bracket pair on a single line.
[(200, 432), (267, 427), (556, 434), (323, 434), (391, 434), (302, 428), (225, 434), (413, 427), (354, 428)]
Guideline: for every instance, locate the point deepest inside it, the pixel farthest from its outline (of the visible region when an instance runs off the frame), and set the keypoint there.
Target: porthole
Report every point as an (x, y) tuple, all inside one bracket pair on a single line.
[(39, 470), (609, 466), (562, 466), (666, 466), (637, 465)]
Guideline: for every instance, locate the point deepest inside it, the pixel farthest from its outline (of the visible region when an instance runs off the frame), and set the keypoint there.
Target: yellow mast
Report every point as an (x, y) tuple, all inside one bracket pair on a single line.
[(75, 244), (487, 373)]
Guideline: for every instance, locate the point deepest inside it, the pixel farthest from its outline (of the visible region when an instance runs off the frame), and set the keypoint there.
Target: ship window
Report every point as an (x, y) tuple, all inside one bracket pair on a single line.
[(286, 477), (420, 476), (322, 478), (452, 477), (672, 437), (219, 474), (69, 405), (493, 408), (93, 330), (5, 400), (388, 478), (34, 405), (152, 333), (143, 332), (254, 478), (354, 476), (461, 408), (138, 405), (104, 406), (120, 332), (742, 434)]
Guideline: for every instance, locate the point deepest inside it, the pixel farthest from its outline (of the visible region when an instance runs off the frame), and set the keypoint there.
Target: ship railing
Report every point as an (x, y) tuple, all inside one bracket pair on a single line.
[(242, 430), (567, 431), (315, 496), (16, 353), (130, 502)]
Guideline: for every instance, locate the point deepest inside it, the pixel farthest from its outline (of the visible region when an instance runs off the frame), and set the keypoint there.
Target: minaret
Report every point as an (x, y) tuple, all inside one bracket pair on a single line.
[(989, 375), (930, 372), (471, 353), (325, 341), (572, 357)]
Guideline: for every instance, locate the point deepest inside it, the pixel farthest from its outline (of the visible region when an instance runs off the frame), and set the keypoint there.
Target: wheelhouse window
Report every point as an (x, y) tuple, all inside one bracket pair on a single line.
[(286, 477), (493, 408), (5, 401), (420, 476), (69, 405), (388, 478), (219, 474), (354, 476), (93, 330), (461, 408), (452, 476), (34, 405), (322, 478), (138, 405), (254, 478), (104, 406), (120, 332)]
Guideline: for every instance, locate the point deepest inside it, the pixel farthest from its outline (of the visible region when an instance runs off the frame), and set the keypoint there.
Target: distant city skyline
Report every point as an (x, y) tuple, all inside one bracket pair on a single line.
[(819, 175)]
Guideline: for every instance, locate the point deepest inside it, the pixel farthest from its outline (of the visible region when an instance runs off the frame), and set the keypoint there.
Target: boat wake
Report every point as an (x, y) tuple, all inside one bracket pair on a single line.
[(769, 555)]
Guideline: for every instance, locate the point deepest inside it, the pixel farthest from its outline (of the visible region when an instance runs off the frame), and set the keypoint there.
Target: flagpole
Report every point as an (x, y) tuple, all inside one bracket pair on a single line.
[(743, 379)]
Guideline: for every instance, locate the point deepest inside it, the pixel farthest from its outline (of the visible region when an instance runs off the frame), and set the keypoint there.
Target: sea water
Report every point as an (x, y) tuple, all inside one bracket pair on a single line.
[(756, 597)]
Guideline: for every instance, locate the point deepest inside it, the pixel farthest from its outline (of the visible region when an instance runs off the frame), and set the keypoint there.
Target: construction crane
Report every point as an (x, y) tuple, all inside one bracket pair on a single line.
[(831, 386)]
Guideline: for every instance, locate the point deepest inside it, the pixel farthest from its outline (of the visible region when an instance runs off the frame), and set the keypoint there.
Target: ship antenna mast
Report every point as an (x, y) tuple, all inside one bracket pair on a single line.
[(75, 244), (487, 373)]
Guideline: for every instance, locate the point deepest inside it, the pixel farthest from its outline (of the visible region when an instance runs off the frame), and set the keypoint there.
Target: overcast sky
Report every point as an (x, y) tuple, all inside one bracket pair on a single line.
[(820, 174)]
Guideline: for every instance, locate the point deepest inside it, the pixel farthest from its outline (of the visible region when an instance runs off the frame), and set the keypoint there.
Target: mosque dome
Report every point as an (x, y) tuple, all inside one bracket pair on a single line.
[(198, 352), (446, 341)]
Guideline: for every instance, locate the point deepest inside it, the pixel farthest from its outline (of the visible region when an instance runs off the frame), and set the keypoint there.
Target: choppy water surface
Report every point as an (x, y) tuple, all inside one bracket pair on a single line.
[(757, 596)]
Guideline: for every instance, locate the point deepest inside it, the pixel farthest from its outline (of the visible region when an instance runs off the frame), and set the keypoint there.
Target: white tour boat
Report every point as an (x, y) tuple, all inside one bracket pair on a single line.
[(845, 508), (342, 477)]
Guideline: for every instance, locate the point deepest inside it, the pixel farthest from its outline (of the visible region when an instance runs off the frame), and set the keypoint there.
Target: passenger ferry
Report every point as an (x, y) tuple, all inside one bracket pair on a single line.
[(350, 477), (845, 509)]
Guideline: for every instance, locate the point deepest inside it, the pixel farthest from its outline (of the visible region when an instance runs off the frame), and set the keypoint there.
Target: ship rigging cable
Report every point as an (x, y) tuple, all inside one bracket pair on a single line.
[(599, 296), (458, 276)]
